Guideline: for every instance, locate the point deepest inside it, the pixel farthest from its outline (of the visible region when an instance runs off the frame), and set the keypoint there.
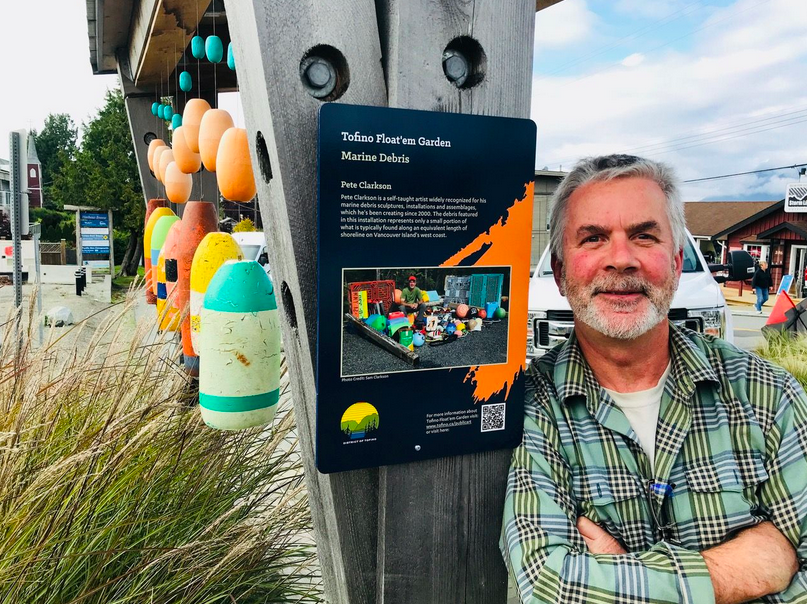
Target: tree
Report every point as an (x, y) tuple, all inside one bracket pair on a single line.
[(55, 146), (104, 174)]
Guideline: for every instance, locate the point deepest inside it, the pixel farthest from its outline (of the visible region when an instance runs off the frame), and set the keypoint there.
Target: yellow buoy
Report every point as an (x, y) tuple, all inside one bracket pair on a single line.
[(213, 251)]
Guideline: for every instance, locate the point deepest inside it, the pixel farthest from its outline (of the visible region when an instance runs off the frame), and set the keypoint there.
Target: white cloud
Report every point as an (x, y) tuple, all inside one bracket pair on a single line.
[(724, 85), (48, 66), (633, 60), (655, 9), (563, 24)]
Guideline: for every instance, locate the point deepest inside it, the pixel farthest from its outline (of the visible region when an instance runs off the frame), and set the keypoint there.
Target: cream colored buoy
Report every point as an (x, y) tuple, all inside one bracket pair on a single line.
[(239, 348), (213, 251), (166, 157), (178, 185), (191, 119), (214, 124), (187, 161), (234, 166), (153, 145), (155, 160)]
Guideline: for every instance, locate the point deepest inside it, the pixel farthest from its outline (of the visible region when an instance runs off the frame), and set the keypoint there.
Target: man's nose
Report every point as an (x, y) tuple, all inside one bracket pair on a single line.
[(622, 255)]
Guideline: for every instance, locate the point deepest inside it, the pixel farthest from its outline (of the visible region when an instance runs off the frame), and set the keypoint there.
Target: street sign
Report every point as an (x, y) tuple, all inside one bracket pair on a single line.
[(796, 197)]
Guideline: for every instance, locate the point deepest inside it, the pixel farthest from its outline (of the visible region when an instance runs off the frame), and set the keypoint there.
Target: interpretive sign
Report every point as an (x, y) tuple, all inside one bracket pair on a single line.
[(425, 222)]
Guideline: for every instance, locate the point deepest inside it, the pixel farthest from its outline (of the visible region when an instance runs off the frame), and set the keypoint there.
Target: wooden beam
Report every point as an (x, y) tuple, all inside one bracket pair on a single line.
[(542, 4), (160, 31), (439, 520), (272, 38), (385, 342)]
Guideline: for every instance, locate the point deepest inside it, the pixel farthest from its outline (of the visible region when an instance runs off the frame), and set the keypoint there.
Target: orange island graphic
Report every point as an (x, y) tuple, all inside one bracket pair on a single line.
[(509, 243)]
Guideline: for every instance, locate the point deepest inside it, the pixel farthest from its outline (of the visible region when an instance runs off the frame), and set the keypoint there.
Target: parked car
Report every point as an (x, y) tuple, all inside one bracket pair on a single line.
[(253, 245), (698, 304)]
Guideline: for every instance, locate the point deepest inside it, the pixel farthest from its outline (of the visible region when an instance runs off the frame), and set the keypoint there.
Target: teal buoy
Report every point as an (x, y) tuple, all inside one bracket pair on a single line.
[(185, 81), (230, 56), (198, 47), (239, 348), (160, 111), (168, 112), (214, 49), (155, 107), (176, 121)]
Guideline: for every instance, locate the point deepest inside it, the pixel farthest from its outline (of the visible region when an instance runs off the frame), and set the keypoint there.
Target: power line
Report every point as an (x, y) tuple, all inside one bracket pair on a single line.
[(738, 130), (745, 173)]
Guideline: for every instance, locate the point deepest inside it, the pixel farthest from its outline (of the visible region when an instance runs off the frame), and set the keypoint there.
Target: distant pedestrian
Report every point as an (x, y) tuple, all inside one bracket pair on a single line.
[(761, 282)]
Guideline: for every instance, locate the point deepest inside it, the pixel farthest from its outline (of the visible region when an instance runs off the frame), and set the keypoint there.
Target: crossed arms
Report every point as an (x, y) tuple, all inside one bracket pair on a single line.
[(556, 557)]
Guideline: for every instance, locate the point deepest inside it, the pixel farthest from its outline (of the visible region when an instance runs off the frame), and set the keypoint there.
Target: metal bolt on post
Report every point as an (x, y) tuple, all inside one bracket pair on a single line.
[(319, 76), (456, 67)]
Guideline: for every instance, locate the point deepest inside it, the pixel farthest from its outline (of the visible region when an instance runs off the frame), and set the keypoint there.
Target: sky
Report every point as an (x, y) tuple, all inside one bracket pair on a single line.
[(711, 87)]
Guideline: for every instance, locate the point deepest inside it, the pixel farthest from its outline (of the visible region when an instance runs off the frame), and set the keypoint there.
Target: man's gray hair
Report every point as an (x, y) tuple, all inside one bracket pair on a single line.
[(610, 167)]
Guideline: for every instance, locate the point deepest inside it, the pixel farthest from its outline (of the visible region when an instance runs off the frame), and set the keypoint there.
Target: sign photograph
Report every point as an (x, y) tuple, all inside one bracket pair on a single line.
[(425, 222)]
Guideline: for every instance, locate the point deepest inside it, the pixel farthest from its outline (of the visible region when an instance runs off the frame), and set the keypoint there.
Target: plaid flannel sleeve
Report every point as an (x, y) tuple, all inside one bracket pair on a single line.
[(547, 555), (784, 495)]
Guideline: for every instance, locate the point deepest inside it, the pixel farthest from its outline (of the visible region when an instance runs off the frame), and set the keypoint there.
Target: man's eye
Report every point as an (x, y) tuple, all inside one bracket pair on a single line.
[(592, 239), (646, 236)]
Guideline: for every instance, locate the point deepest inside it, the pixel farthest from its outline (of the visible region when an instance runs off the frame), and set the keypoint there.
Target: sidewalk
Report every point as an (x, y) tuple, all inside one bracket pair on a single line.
[(747, 300)]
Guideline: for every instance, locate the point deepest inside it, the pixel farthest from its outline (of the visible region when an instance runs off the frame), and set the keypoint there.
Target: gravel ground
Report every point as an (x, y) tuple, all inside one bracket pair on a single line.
[(361, 356)]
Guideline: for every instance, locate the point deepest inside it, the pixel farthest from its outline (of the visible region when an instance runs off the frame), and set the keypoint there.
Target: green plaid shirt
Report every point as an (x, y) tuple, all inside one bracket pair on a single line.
[(731, 451)]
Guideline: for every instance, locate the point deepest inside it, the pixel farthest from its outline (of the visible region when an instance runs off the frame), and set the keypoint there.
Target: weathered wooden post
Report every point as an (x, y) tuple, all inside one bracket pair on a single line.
[(417, 533)]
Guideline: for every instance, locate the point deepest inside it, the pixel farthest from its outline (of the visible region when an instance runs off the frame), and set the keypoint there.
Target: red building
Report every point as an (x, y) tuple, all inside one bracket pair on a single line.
[(762, 228)]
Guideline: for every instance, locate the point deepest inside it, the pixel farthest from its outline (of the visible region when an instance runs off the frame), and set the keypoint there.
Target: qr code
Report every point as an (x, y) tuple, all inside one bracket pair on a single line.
[(493, 417)]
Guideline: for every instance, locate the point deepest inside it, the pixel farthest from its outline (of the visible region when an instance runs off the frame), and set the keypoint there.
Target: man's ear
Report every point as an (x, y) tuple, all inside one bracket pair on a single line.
[(557, 270), (679, 262)]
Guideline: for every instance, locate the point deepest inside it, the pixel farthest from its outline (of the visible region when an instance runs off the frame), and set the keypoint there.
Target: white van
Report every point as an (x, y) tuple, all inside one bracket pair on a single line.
[(253, 246), (698, 304)]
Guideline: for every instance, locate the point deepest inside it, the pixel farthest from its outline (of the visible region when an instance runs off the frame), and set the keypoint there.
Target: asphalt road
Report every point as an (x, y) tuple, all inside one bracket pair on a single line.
[(747, 327)]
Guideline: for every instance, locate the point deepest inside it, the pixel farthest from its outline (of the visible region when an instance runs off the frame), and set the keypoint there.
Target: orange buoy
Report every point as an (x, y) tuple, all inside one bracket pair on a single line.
[(178, 185), (153, 204), (155, 160), (157, 142), (234, 166), (166, 157), (191, 119), (215, 123), (198, 219), (187, 161)]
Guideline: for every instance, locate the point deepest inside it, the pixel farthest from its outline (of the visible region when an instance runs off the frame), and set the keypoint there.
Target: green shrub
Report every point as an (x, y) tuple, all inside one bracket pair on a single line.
[(790, 352), (113, 491)]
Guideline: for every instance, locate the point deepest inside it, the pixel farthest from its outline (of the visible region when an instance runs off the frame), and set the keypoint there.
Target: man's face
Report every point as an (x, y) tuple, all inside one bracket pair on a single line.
[(412, 283), (620, 267)]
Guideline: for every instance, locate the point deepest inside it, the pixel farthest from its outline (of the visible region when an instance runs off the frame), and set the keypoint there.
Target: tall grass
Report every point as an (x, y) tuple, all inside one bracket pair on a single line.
[(112, 489), (789, 351)]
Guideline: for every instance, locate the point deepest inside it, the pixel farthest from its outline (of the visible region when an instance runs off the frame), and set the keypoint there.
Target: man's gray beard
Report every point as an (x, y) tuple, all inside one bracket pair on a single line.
[(632, 323)]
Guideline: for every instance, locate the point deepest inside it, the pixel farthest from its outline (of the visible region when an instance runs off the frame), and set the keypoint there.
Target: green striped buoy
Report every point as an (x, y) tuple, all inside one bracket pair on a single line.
[(239, 348)]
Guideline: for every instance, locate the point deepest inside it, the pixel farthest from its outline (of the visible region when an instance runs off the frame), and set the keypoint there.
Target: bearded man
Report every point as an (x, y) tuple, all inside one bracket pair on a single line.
[(658, 465)]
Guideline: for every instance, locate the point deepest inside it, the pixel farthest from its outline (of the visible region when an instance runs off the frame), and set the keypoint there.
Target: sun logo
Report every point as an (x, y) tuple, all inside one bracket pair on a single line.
[(359, 421)]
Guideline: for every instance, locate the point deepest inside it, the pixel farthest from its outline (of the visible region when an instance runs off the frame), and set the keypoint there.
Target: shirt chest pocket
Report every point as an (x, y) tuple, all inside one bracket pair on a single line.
[(617, 501), (716, 499)]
